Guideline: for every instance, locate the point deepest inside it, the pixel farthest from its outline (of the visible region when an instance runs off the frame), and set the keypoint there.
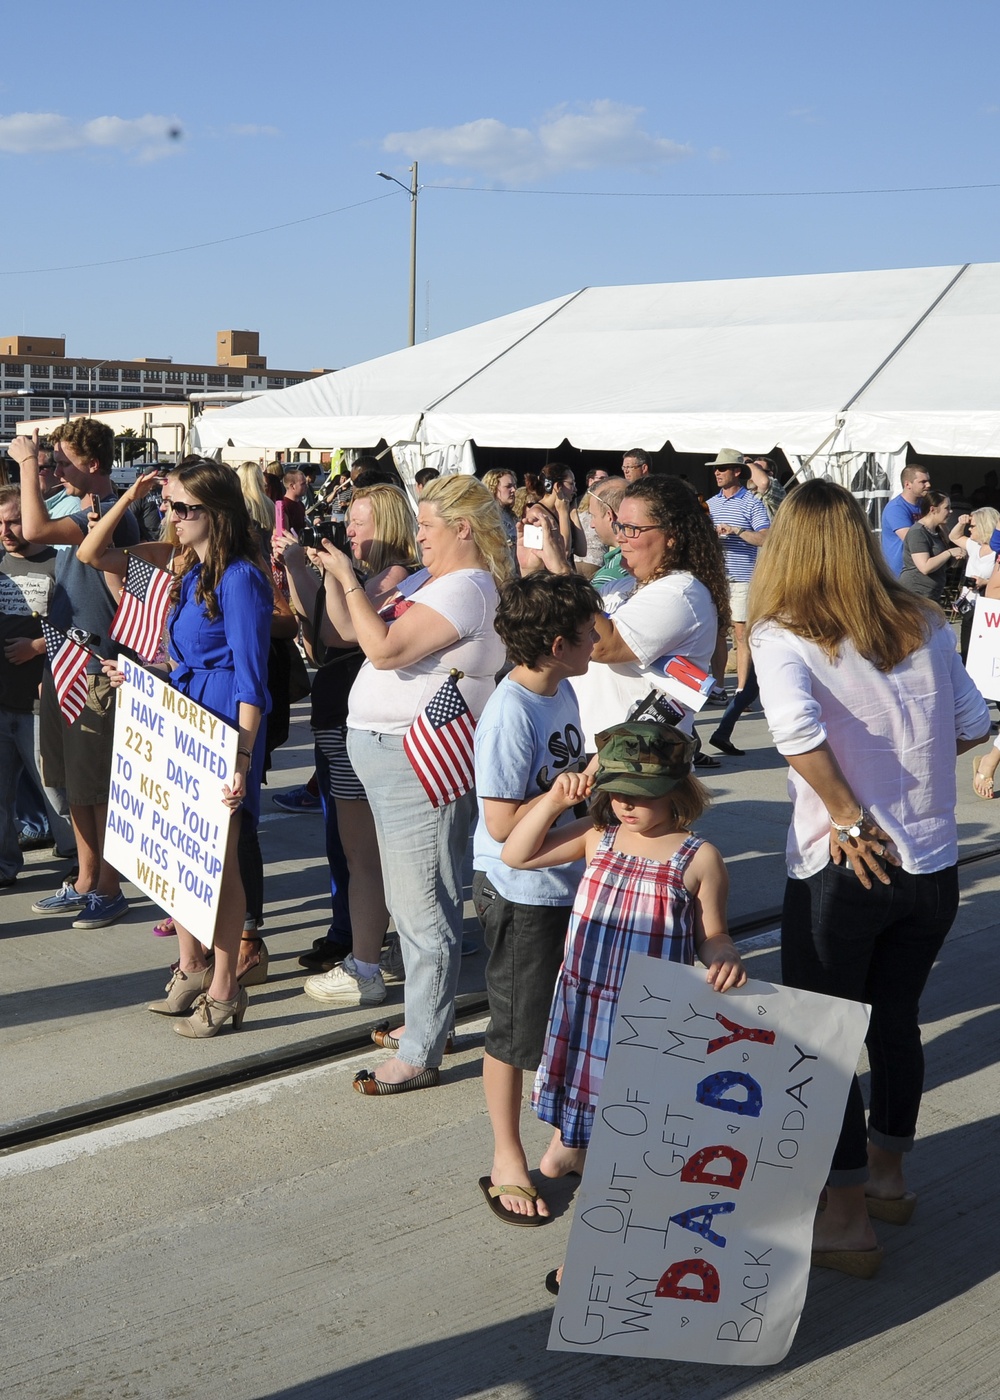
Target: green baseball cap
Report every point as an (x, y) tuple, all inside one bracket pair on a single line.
[(642, 760)]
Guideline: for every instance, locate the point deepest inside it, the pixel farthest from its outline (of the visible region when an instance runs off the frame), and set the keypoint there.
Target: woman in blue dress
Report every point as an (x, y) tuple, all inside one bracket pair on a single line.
[(219, 634)]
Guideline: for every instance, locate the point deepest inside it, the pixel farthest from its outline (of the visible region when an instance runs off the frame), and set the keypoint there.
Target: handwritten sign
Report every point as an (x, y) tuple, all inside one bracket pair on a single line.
[(983, 663), (167, 826), (714, 1133)]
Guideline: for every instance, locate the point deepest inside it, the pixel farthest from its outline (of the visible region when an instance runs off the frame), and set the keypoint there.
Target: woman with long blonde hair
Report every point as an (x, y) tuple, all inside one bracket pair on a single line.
[(866, 697), (441, 621)]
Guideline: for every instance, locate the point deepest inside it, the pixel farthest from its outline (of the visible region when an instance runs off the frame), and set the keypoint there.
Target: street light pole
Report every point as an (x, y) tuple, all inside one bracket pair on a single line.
[(413, 254), (413, 192)]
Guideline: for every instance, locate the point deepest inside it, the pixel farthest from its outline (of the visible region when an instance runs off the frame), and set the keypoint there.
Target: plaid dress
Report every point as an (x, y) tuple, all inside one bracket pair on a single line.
[(625, 904)]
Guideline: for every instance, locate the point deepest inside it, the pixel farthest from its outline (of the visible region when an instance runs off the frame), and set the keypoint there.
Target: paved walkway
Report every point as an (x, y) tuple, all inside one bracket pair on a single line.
[(293, 1239)]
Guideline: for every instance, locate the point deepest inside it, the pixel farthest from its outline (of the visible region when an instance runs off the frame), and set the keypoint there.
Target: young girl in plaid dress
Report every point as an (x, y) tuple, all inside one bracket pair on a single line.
[(650, 887)]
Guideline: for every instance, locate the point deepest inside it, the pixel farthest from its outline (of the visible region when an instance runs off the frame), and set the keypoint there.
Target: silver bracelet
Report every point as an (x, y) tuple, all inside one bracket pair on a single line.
[(356, 589)]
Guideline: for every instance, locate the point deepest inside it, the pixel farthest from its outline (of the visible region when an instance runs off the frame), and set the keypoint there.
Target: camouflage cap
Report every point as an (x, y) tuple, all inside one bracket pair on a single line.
[(642, 760)]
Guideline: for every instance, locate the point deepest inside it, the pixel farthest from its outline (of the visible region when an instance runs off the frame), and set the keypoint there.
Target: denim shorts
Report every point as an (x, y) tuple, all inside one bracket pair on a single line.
[(526, 944)]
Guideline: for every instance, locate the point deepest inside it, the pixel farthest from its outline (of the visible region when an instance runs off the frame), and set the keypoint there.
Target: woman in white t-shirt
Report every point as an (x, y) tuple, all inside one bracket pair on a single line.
[(673, 603), (441, 620), (979, 567)]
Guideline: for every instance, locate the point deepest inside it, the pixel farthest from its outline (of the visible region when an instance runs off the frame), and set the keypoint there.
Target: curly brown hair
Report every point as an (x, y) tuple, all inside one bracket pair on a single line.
[(92, 439), (230, 532), (692, 544)]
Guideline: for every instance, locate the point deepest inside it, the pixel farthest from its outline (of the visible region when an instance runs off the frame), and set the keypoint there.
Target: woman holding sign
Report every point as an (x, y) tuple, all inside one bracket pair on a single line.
[(866, 698), (219, 634)]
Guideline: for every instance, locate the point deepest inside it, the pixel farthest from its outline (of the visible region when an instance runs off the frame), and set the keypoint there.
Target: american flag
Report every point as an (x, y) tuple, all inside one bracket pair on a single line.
[(439, 745), (68, 660), (141, 615)]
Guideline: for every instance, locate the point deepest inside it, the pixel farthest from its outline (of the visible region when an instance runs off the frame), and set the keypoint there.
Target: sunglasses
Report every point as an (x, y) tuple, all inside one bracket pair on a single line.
[(182, 510), (632, 532)]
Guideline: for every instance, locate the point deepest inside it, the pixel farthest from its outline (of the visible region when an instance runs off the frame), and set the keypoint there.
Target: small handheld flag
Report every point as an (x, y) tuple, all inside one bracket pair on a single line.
[(440, 743), (141, 614), (69, 663)]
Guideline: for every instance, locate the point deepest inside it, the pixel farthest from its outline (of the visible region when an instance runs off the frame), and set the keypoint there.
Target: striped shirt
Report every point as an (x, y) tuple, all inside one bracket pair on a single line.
[(747, 512)]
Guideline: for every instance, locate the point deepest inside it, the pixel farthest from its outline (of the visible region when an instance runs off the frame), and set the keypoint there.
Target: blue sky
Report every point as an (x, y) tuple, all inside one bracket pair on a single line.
[(287, 111)]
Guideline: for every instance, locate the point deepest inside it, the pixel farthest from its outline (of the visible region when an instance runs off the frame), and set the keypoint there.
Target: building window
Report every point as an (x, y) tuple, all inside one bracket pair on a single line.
[(82, 405), (174, 376), (234, 381), (14, 384), (109, 376), (15, 370), (62, 388), (39, 403), (106, 407), (153, 376), (275, 383), (39, 371), (217, 379)]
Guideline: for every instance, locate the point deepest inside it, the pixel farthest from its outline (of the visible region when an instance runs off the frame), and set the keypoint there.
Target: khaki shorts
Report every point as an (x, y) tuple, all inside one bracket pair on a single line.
[(738, 594), (77, 756)]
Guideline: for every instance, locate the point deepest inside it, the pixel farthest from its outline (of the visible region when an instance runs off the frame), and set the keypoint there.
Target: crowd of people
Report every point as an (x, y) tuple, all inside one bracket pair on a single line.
[(550, 622)]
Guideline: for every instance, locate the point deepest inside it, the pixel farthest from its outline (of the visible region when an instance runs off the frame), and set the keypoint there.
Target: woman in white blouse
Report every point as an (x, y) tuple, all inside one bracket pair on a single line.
[(867, 699), (980, 565)]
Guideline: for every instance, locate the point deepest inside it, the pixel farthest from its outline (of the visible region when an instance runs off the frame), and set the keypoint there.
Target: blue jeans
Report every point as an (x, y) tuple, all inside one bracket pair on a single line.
[(17, 758), (741, 701), (422, 849), (879, 946)]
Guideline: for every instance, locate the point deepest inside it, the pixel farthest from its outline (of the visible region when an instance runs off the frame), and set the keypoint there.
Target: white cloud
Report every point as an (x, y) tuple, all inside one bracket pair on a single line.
[(594, 136), (40, 133)]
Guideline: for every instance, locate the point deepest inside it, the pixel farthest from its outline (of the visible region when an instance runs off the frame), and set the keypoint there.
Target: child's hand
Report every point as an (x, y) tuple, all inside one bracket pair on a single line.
[(568, 790), (725, 967)]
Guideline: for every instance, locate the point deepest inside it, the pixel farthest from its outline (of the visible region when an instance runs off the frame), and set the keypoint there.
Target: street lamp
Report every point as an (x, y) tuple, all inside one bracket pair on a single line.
[(413, 191)]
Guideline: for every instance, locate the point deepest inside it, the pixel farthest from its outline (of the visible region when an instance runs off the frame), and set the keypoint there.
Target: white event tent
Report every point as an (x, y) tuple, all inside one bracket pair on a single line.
[(833, 363)]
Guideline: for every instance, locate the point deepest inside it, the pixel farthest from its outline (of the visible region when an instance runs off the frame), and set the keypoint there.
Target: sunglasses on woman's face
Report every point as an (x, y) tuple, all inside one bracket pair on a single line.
[(182, 510)]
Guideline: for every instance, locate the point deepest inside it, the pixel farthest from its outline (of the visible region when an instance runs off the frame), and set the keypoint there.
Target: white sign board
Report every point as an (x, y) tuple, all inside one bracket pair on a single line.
[(167, 824), (713, 1138), (983, 663)]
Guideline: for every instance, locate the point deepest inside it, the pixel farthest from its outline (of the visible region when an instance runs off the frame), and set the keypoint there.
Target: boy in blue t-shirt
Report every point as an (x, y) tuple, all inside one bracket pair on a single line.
[(528, 733)]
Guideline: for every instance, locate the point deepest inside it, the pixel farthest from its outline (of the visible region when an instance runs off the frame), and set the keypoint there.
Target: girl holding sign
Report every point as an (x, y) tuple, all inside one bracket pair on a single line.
[(650, 887), (867, 699), (219, 634)]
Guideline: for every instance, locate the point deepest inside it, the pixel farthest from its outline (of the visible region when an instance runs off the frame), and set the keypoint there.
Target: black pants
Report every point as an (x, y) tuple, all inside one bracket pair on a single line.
[(877, 946)]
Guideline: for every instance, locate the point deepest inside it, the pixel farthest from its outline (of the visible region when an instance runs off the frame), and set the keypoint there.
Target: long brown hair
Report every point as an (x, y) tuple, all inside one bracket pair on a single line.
[(822, 576), (230, 533), (692, 544)]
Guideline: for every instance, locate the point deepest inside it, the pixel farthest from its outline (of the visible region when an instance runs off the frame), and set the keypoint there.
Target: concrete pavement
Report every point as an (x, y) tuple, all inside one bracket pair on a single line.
[(293, 1239)]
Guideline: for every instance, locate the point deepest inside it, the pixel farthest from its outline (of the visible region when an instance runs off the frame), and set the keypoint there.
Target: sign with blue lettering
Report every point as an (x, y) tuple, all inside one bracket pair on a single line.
[(167, 824), (712, 1140)]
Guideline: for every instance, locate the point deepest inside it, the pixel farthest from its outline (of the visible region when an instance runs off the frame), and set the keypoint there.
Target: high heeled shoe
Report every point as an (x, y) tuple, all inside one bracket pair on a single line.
[(183, 990), (256, 974), (209, 1016)]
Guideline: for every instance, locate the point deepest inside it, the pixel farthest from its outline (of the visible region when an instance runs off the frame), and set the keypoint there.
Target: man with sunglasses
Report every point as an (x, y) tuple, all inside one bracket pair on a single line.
[(77, 757), (605, 498), (741, 522)]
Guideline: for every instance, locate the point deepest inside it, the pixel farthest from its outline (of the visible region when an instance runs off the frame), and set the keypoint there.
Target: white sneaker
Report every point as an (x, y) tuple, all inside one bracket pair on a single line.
[(343, 985)]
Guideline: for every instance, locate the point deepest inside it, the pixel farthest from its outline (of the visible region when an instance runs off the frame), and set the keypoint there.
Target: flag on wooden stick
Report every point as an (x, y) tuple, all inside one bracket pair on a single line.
[(440, 743), (69, 661), (141, 614)]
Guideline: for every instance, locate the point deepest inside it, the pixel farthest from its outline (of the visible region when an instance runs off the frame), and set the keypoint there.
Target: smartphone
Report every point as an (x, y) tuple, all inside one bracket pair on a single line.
[(534, 537), (279, 517)]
